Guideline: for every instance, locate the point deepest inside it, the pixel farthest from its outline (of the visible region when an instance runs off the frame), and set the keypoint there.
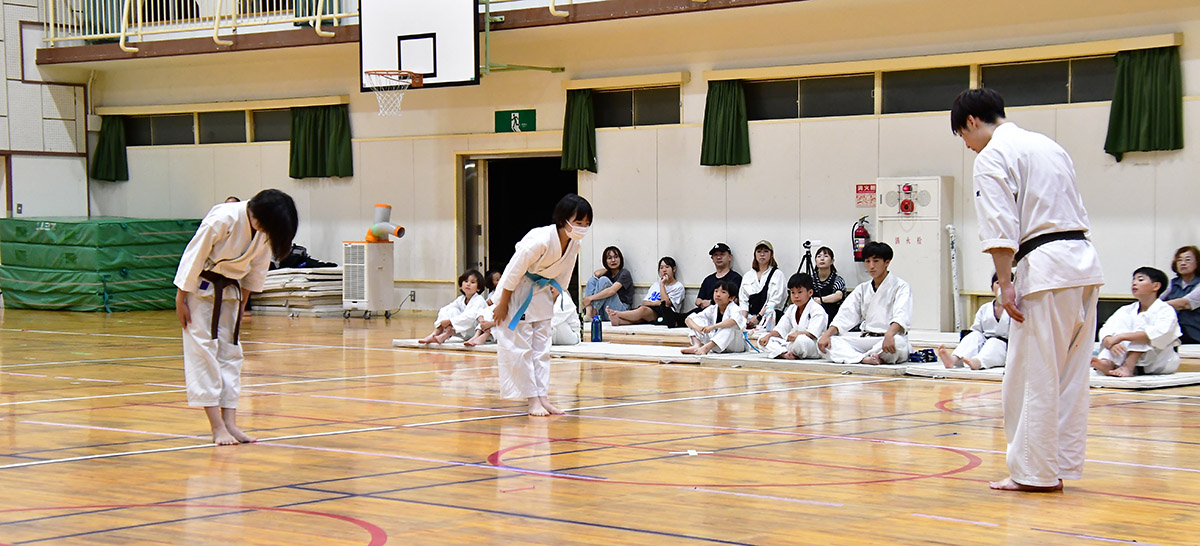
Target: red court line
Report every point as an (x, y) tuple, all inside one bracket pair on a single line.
[(378, 535)]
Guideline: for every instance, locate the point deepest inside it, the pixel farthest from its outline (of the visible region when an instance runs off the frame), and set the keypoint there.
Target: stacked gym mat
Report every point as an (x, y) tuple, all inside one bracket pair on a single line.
[(91, 264)]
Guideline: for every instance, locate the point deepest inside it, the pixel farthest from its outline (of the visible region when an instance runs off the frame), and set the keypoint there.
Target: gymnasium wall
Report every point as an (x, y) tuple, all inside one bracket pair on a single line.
[(799, 187)]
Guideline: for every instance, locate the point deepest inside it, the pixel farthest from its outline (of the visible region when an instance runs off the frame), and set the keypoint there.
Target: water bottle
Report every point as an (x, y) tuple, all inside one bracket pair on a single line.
[(597, 335)]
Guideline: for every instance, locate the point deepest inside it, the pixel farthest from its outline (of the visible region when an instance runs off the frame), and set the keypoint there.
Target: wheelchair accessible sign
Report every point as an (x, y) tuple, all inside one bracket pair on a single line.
[(516, 121)]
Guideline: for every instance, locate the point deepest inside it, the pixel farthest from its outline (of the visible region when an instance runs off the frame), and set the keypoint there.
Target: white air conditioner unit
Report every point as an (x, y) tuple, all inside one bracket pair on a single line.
[(367, 278)]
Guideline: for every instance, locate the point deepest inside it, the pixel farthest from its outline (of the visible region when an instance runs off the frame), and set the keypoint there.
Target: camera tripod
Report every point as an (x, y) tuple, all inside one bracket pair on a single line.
[(806, 263)]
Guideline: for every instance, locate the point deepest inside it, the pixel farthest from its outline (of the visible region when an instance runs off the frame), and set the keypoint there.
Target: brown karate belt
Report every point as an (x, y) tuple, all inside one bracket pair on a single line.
[(220, 282)]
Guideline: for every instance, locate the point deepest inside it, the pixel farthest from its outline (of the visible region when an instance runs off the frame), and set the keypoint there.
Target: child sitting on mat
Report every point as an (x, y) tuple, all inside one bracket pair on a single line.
[(719, 326), (795, 336), (1142, 337), (458, 317)]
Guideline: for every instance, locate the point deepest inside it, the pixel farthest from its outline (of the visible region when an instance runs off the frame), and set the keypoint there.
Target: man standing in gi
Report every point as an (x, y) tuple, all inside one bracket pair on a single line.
[(1031, 215)]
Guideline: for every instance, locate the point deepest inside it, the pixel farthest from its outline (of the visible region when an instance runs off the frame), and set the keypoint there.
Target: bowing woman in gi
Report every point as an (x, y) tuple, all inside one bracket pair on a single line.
[(1031, 214), (226, 260), (524, 310)]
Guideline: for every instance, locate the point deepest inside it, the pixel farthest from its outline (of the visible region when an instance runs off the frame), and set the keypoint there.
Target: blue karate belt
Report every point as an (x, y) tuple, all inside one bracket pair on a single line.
[(746, 336), (541, 282)]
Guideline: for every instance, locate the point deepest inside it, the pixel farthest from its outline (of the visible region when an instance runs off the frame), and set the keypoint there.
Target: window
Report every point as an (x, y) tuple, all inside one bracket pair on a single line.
[(222, 127), (159, 130), (772, 99), (927, 90), (272, 125), (1052, 82), (636, 107), (837, 96)]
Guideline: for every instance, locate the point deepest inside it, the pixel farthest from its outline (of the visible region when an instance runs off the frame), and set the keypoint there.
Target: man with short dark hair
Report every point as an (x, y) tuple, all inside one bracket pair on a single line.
[(722, 258), (1030, 213)]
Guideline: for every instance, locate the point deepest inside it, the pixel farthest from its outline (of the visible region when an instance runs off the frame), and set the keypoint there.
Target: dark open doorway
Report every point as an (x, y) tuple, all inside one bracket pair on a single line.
[(521, 194)]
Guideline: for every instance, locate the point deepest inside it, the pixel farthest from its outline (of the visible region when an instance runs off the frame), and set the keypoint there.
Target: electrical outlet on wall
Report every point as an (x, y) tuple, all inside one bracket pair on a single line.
[(19, 208), (412, 295)]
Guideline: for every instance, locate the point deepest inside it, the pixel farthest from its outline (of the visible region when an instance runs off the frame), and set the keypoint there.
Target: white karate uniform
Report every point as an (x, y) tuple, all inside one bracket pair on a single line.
[(753, 284), (224, 243), (1159, 324), (873, 311), (727, 340), (566, 321), (987, 343), (524, 352), (1024, 187), (813, 320), (462, 314)]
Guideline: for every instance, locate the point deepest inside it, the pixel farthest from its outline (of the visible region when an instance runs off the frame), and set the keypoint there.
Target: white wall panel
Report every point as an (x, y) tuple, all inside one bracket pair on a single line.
[(764, 197), (625, 200), (836, 154), (58, 101), (1174, 211), (49, 186), (692, 210), (434, 221), (191, 173), (59, 135), (25, 116), (148, 188), (384, 171), (1119, 197), (4, 123), (237, 171)]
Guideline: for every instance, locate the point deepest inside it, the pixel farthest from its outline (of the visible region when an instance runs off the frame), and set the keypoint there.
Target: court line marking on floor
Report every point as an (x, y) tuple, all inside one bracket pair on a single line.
[(664, 401), (185, 448), (767, 497), (956, 520), (129, 358)]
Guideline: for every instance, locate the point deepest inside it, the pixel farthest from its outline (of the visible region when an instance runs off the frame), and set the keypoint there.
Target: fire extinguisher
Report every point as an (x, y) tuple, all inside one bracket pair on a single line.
[(860, 237)]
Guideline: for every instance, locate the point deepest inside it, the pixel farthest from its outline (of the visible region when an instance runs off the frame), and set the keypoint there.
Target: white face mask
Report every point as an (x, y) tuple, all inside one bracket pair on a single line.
[(576, 232)]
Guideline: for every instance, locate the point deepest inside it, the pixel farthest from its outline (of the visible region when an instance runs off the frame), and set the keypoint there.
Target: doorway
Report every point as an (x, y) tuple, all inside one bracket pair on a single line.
[(504, 198)]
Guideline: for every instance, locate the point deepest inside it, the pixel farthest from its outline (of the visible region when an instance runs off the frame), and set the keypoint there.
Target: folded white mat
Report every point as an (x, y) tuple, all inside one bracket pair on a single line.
[(1096, 380), (599, 351), (919, 338), (754, 360)]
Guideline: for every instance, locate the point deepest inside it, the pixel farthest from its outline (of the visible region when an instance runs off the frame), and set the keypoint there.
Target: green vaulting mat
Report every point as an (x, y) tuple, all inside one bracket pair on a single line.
[(91, 264)]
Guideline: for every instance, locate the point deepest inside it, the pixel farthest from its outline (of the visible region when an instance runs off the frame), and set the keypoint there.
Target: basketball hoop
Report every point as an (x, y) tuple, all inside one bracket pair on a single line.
[(389, 87)]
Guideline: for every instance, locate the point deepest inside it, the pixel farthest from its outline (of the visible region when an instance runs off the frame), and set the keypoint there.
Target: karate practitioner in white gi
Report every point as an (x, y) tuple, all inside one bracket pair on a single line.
[(545, 257), (795, 336), (882, 310), (986, 345), (1030, 213), (226, 260), (720, 326), (459, 317), (1142, 337)]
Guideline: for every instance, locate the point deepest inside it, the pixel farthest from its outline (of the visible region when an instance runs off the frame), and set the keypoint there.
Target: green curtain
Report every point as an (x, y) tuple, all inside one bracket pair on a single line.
[(1147, 106), (110, 162), (321, 142), (579, 132), (726, 127)]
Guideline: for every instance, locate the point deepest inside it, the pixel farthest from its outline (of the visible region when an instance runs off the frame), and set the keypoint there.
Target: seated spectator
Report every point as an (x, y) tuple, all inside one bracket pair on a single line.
[(459, 316), (1142, 337), (719, 326), (986, 345), (721, 257), (762, 286), (1184, 293), (662, 302), (830, 288), (795, 336), (880, 307), (608, 289)]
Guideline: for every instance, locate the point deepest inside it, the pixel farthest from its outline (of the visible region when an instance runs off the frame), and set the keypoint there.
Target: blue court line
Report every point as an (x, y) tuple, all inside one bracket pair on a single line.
[(555, 520), (176, 520)]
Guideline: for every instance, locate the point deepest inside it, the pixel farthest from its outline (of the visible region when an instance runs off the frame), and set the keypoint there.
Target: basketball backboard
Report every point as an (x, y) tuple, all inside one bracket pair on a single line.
[(438, 39)]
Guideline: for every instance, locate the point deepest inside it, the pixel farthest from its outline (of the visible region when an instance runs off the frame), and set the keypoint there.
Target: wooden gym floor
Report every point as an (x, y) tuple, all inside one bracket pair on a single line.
[(362, 444)]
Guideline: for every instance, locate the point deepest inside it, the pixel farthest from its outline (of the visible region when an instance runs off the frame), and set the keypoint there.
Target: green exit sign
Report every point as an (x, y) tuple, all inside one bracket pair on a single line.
[(516, 121)]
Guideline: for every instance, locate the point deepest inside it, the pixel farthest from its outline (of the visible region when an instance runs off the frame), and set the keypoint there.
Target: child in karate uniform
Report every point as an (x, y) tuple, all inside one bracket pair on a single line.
[(719, 326), (459, 316), (485, 322), (566, 319), (795, 336), (880, 307), (1142, 337), (524, 310), (986, 346), (226, 260)]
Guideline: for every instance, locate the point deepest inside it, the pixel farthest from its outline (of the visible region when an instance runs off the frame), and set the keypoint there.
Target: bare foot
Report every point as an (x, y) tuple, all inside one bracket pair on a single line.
[(948, 359), (614, 319), (1103, 366), (224, 438), (788, 355), (702, 350), (536, 409), (549, 407), (240, 436), (873, 360), (1007, 484), (441, 338), (1121, 371), (428, 339), (690, 350), (479, 339), (972, 364)]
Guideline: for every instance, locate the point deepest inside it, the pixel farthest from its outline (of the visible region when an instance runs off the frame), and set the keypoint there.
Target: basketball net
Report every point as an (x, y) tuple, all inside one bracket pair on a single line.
[(389, 87)]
